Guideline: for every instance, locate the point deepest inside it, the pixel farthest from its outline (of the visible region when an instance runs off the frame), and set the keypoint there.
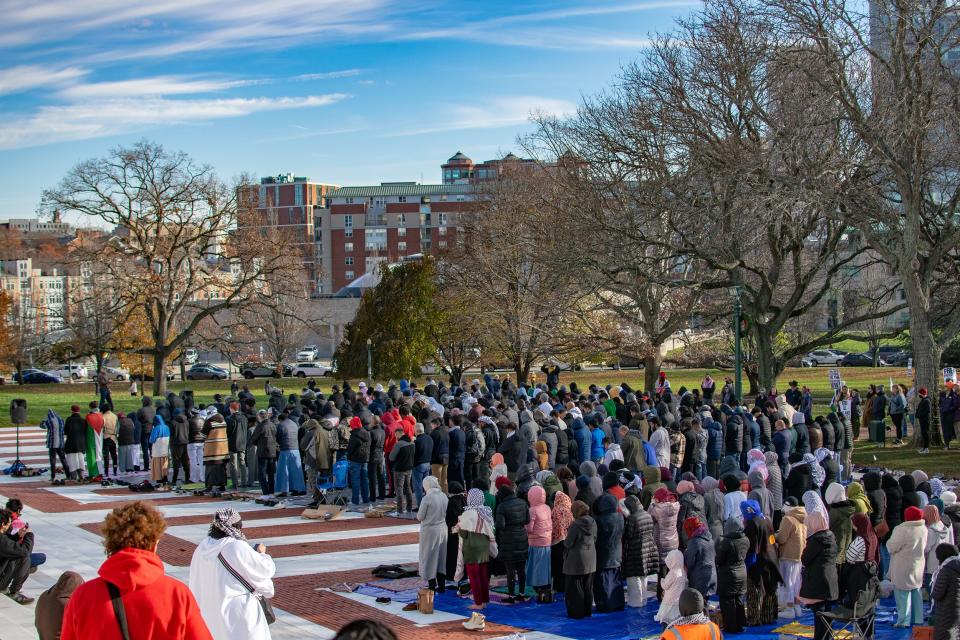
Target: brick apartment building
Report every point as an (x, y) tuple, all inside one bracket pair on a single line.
[(345, 232)]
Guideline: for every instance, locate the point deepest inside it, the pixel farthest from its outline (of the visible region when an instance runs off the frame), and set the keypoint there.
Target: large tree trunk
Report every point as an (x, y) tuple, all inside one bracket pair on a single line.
[(766, 360), (522, 369), (750, 370), (651, 370), (926, 362), (159, 374)]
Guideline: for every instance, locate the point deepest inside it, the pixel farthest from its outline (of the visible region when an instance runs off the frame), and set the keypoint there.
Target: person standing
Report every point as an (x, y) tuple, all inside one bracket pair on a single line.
[(55, 440), (375, 464), (110, 421), (475, 531), (145, 415), (512, 517), (94, 442), (897, 407), (878, 412), (440, 456), (580, 562), (159, 450), (157, 606), (103, 385), (237, 429), (195, 447), (401, 462), (608, 584), (358, 453), (179, 439), (732, 575), (289, 469), (228, 577), (216, 453), (127, 443), (906, 548), (432, 515), (264, 438), (423, 453)]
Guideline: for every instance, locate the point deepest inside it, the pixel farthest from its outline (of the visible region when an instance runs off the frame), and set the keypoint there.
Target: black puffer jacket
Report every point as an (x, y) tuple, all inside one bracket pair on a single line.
[(798, 482), (731, 553), (179, 430), (876, 496), (691, 504), (733, 436), (512, 518), (945, 594), (609, 532), (640, 557), (358, 447), (580, 547), (819, 572), (910, 496), (894, 511)]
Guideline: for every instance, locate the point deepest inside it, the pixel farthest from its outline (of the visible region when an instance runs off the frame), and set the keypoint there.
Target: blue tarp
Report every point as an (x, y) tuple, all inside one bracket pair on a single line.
[(630, 624)]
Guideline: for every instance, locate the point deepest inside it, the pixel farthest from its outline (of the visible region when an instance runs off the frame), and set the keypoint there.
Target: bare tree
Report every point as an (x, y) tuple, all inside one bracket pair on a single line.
[(182, 246), (888, 65), (731, 167), (503, 275)]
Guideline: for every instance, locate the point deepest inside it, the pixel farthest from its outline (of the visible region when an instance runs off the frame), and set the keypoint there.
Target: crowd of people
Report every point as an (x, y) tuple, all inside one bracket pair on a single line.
[(601, 493)]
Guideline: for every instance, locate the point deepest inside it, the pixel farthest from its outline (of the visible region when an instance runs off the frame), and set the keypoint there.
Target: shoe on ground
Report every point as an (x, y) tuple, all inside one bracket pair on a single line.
[(19, 598), (410, 607), (477, 622)]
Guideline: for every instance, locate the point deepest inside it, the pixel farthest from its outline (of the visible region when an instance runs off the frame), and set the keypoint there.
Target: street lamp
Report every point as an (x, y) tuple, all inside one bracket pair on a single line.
[(738, 358), (369, 362)]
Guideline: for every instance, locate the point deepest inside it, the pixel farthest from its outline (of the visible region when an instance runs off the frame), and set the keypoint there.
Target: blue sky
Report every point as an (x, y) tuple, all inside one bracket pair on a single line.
[(344, 91)]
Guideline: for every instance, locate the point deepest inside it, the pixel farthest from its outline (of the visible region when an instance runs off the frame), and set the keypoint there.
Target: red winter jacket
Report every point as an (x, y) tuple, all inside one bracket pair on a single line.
[(157, 606)]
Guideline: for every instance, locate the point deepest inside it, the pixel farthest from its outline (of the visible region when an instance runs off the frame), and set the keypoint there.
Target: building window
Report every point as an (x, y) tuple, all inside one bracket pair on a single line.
[(348, 247), (442, 231), (443, 219), (348, 232), (349, 200), (297, 196), (461, 198), (402, 232), (402, 199), (402, 219), (348, 261), (348, 275), (380, 202), (401, 246), (348, 221), (262, 197), (442, 244), (376, 240)]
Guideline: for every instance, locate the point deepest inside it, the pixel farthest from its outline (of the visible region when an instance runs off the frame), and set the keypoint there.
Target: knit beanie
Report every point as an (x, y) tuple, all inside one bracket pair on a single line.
[(912, 513), (691, 602)]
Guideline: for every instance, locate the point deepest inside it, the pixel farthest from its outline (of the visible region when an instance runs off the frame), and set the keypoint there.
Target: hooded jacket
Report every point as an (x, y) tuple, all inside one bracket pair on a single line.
[(910, 496), (792, 536), (700, 560), (691, 504), (512, 517), (760, 493), (75, 432), (540, 525), (52, 603), (894, 495), (159, 607), (714, 439), (640, 557), (840, 510), (664, 516), (580, 547), (609, 532), (906, 546), (731, 553), (945, 594), (358, 447), (264, 438)]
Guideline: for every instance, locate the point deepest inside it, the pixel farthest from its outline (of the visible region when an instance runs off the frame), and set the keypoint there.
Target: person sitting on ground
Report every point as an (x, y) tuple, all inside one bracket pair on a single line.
[(155, 606), (229, 607), (693, 623), (15, 506), (48, 617), (15, 550)]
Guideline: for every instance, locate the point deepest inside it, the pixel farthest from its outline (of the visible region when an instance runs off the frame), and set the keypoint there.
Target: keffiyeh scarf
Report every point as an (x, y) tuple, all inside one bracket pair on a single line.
[(225, 520), (475, 501)]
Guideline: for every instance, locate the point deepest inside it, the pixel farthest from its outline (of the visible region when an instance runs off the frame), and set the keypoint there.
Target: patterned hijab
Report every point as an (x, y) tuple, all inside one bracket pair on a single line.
[(818, 472), (226, 520), (561, 516), (475, 501)]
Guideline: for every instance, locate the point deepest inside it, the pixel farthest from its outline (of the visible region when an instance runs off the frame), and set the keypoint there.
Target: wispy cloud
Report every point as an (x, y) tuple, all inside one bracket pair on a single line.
[(155, 86), (26, 77), (504, 111), (96, 118), (329, 75)]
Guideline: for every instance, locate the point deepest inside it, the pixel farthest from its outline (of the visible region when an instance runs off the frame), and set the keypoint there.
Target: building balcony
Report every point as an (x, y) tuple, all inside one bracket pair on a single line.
[(375, 220)]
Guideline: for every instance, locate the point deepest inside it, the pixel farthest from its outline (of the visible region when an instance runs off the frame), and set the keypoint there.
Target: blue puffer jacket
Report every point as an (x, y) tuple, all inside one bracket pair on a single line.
[(714, 439), (582, 435), (596, 451)]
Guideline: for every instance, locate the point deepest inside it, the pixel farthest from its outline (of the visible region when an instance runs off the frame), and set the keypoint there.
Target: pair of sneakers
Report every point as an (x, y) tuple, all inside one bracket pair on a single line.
[(477, 622)]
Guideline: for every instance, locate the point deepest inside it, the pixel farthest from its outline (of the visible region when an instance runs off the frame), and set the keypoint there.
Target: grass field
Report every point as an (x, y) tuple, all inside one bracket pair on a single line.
[(60, 397)]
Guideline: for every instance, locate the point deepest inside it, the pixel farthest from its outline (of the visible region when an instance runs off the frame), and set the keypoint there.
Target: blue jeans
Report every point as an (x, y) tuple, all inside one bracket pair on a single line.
[(359, 482), (909, 607), (884, 561), (699, 470), (420, 472), (289, 472), (37, 559)]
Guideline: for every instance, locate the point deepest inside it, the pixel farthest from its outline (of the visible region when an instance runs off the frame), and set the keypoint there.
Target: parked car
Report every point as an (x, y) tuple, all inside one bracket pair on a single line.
[(190, 355), (117, 373), (308, 354), (206, 372), (830, 357), (564, 366), (898, 358), (40, 377), (250, 370), (148, 376), (859, 360), (310, 369), (16, 376), (74, 371)]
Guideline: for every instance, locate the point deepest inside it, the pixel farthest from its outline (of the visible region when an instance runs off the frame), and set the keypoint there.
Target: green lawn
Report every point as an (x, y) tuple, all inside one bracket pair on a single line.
[(60, 397)]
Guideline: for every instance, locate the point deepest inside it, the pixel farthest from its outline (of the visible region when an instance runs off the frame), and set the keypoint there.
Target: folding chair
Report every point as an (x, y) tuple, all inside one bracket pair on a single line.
[(855, 624), (333, 487)]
